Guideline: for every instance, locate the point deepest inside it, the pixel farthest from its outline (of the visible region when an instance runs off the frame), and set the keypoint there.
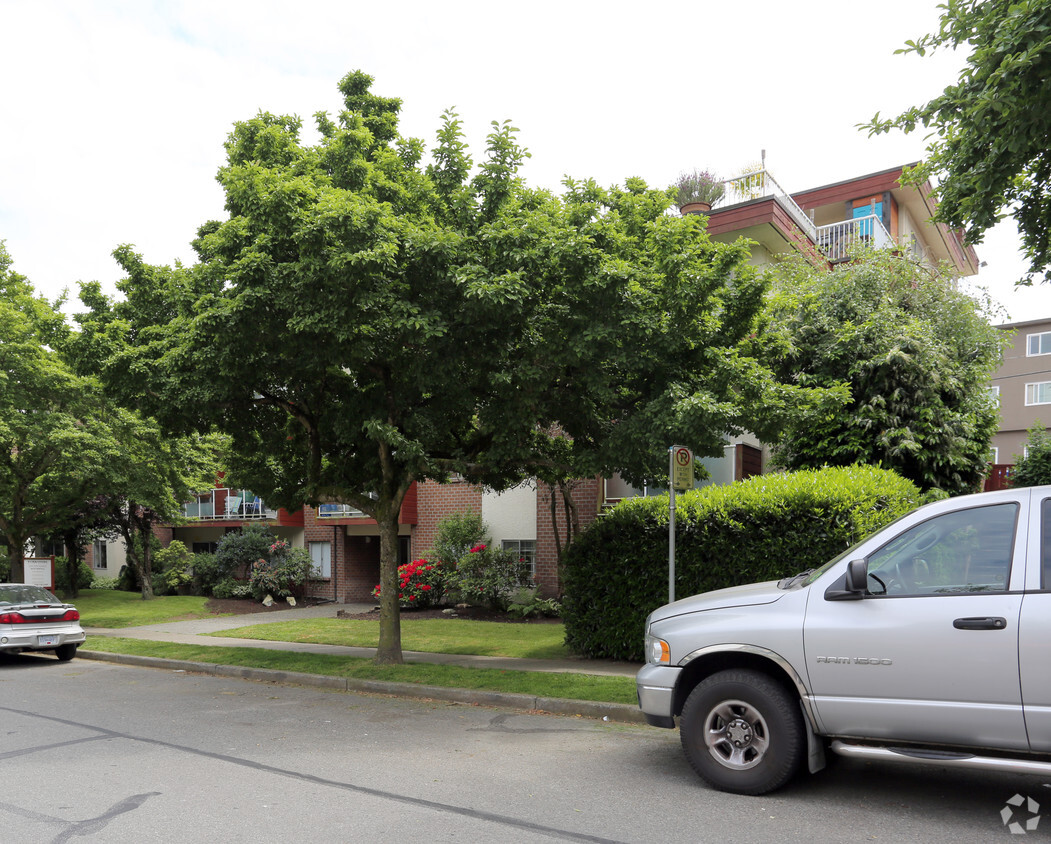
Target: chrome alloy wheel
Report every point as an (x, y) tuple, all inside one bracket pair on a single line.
[(736, 735)]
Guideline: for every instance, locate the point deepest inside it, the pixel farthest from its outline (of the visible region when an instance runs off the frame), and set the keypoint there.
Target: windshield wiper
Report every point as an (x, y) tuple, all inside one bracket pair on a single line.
[(788, 582)]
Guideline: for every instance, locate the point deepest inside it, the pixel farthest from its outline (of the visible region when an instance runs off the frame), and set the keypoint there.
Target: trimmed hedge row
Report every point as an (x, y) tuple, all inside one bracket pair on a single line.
[(760, 529)]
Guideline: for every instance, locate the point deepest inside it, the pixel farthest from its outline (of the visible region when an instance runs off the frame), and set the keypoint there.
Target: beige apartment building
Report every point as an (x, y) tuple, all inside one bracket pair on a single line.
[(1022, 385)]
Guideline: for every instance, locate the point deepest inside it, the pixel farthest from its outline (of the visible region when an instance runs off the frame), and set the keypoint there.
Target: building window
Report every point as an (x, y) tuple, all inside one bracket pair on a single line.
[(321, 557), (994, 393), (1039, 344), (1038, 393), (525, 549), (994, 455), (99, 554), (204, 547)]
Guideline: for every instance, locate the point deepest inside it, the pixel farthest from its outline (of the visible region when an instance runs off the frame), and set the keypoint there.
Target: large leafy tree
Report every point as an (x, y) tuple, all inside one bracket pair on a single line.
[(363, 320), (56, 443), (916, 354), (990, 154)]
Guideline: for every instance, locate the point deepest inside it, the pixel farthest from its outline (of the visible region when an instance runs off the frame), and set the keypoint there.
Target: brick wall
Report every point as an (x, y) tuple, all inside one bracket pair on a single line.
[(434, 502), (587, 495)]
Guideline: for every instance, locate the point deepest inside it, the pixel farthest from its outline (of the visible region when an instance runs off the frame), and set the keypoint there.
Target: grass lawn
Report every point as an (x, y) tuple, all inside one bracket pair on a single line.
[(443, 636), (569, 686), (110, 608)]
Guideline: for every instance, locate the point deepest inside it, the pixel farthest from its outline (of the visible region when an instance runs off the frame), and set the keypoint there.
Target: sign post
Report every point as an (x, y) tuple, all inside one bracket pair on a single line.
[(680, 474)]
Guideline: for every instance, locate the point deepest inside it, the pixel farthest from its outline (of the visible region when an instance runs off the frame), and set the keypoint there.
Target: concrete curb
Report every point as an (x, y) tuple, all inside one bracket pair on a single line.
[(557, 706)]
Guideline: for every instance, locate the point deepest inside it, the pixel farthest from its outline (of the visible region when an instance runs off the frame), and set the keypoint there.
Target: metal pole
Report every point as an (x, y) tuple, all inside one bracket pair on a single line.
[(671, 525)]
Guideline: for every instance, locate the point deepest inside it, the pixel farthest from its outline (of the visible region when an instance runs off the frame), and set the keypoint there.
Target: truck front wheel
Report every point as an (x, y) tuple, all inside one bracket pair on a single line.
[(743, 732)]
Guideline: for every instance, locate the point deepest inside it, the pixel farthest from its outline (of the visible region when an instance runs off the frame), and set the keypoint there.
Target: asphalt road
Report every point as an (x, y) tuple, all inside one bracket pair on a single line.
[(100, 752)]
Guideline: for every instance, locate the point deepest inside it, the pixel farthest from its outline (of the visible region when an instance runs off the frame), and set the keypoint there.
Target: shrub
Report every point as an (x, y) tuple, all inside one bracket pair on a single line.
[(5, 568), (284, 572), (489, 577), (237, 552), (765, 528), (205, 573), (1034, 468), (173, 568), (526, 602), (104, 583), (84, 575), (128, 579), (455, 535), (421, 584), (229, 588)]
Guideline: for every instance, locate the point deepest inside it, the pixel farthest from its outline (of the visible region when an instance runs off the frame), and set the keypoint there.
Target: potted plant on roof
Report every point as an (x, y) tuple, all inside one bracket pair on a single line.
[(697, 191)]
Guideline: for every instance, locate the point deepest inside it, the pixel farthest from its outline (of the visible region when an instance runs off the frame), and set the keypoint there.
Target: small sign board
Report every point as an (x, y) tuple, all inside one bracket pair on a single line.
[(40, 571), (682, 468)]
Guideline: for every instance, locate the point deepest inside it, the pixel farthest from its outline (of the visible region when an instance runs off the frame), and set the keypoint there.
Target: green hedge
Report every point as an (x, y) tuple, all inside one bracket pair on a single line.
[(764, 528)]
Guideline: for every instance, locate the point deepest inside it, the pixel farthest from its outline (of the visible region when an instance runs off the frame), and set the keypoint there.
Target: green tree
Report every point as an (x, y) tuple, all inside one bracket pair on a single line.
[(148, 486), (56, 441), (916, 354), (1033, 468), (362, 321), (990, 154)]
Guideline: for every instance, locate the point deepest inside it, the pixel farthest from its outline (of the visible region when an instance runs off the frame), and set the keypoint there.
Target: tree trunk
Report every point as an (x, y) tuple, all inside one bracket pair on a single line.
[(389, 650), (17, 556), (69, 539), (146, 565)]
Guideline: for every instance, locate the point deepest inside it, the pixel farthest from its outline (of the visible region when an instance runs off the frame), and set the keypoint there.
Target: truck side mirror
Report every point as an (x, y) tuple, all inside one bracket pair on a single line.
[(858, 576), (853, 585)]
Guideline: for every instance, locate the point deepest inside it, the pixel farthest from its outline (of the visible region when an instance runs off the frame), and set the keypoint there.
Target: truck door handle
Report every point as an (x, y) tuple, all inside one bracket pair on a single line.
[(980, 623)]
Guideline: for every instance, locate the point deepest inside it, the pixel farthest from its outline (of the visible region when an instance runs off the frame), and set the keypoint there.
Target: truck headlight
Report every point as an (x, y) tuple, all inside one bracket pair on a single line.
[(658, 651)]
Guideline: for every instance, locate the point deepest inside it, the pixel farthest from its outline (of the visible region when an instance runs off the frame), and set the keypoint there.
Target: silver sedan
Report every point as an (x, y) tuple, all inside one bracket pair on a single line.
[(32, 619)]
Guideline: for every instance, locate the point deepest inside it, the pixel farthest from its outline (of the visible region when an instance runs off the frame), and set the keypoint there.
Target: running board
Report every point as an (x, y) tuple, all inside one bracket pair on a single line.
[(948, 759)]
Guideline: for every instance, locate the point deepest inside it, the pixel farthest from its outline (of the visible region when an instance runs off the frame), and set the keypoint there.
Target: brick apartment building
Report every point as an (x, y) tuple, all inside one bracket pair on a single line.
[(822, 223)]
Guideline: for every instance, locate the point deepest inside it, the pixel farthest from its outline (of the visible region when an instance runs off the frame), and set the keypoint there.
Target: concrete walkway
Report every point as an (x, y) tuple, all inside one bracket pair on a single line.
[(196, 632)]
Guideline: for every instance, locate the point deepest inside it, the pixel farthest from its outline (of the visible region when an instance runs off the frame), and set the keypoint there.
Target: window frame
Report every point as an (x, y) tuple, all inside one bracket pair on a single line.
[(1035, 391), (1042, 338), (320, 568), (528, 554)]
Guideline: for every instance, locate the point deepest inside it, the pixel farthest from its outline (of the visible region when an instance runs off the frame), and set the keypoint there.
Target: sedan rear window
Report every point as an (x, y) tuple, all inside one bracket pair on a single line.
[(24, 593)]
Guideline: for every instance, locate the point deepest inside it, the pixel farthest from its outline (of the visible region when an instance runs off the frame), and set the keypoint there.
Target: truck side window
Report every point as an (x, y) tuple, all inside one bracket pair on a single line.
[(968, 551)]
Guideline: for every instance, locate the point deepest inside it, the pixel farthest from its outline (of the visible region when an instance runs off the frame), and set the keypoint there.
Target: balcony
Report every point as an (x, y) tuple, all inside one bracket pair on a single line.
[(838, 239), (762, 185), (339, 511), (227, 504)]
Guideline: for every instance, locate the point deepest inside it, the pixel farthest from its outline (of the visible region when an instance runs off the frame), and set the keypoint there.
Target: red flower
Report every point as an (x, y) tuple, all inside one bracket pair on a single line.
[(425, 587), (478, 548)]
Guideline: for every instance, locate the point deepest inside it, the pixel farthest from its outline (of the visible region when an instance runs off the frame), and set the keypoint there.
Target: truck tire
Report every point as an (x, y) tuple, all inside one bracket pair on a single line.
[(743, 732)]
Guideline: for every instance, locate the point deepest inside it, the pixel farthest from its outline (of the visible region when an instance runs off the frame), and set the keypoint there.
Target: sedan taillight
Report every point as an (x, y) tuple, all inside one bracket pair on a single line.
[(18, 618)]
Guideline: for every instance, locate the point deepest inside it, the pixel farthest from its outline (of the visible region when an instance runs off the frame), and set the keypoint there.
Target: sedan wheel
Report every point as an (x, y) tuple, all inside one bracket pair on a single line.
[(743, 732), (66, 652)]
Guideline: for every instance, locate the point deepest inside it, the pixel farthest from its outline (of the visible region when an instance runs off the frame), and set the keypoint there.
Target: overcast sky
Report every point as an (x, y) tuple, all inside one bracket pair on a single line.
[(114, 113)]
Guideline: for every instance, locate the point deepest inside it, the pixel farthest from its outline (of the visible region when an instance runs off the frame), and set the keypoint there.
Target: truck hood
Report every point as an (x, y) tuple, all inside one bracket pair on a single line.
[(736, 596)]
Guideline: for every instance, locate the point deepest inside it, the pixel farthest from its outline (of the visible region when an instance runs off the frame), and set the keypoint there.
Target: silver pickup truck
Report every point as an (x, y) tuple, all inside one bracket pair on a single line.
[(928, 642)]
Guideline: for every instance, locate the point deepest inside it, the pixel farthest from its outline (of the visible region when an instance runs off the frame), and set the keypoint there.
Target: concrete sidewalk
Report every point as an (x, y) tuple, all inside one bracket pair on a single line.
[(195, 632)]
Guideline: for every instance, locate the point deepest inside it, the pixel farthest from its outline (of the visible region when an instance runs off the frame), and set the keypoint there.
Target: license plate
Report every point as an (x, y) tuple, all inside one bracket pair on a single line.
[(46, 641)]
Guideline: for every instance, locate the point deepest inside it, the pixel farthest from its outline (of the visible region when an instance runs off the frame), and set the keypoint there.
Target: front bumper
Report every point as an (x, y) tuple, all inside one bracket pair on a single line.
[(655, 687)]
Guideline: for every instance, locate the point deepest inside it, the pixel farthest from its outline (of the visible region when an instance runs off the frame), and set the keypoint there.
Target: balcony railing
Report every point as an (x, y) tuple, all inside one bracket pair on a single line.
[(760, 185), (339, 511), (838, 239), (226, 503)]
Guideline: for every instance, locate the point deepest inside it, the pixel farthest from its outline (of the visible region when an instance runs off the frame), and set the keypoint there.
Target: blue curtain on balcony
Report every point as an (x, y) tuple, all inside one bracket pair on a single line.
[(865, 226)]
